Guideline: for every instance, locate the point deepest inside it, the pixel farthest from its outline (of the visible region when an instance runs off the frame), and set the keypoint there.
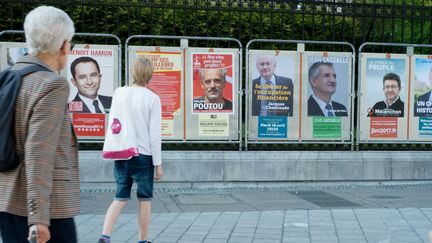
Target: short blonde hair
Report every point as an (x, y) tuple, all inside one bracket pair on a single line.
[(142, 71)]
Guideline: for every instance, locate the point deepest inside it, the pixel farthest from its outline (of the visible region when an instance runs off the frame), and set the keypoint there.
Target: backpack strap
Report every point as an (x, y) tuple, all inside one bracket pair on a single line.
[(31, 69)]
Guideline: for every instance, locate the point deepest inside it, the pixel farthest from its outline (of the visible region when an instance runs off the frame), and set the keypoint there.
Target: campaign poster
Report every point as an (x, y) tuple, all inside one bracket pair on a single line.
[(13, 53), (213, 125), (383, 127), (166, 83), (272, 83), (385, 85), (329, 81), (272, 127), (212, 83), (327, 127), (88, 125), (91, 77), (425, 126), (422, 87)]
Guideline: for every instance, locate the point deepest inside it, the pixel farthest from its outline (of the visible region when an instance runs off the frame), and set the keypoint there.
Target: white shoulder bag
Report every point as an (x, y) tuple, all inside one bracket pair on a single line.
[(120, 140)]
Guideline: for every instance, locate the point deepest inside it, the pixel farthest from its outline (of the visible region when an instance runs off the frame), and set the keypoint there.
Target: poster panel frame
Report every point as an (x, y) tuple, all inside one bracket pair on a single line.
[(117, 74), (376, 123), (420, 122), (107, 57), (413, 122), (184, 45), (301, 50), (282, 125), (176, 124), (87, 139), (222, 125), (318, 127)]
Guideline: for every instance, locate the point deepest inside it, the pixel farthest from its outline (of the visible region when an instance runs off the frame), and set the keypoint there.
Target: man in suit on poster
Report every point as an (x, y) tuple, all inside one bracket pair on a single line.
[(423, 105), (213, 82), (392, 106), (86, 77), (322, 79), (265, 100)]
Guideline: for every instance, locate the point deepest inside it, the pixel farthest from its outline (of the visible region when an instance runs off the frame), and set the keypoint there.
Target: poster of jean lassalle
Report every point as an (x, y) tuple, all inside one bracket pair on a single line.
[(383, 96), (327, 86)]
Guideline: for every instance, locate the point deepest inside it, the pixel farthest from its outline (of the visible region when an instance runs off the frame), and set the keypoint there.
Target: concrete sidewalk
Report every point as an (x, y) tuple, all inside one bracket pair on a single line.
[(296, 226), (270, 213)]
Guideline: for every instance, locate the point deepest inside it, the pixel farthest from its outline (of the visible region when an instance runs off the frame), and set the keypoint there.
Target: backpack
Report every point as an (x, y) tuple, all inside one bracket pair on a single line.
[(10, 82)]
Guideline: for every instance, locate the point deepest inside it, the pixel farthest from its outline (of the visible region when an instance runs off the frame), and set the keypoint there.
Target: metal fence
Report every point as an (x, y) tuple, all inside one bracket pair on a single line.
[(354, 21)]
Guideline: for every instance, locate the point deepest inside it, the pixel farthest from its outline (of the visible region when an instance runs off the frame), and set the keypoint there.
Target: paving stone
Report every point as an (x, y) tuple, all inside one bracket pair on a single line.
[(308, 223), (296, 240)]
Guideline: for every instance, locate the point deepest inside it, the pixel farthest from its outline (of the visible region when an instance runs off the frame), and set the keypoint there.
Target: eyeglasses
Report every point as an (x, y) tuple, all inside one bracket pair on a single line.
[(71, 45)]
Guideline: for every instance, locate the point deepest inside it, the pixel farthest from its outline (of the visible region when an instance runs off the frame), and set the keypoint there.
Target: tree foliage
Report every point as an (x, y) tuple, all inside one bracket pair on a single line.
[(348, 20)]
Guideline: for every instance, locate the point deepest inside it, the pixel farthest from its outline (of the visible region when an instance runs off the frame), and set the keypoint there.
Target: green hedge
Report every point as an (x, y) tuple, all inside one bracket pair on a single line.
[(356, 22)]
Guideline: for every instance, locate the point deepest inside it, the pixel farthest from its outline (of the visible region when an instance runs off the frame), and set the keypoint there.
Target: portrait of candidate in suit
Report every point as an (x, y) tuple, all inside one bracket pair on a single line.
[(392, 105), (272, 94), (212, 82), (87, 78), (323, 84), (423, 103)]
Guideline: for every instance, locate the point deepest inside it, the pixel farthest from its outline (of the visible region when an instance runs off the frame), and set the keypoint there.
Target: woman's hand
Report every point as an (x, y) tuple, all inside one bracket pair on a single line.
[(159, 173)]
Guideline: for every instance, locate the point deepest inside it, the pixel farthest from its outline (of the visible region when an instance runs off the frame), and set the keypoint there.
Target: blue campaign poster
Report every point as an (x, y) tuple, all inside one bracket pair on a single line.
[(386, 82), (425, 125), (272, 126), (422, 87)]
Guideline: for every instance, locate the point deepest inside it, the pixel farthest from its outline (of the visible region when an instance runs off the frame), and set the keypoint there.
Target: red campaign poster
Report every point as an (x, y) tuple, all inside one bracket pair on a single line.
[(212, 83), (166, 80), (89, 124), (167, 86), (383, 127), (166, 83)]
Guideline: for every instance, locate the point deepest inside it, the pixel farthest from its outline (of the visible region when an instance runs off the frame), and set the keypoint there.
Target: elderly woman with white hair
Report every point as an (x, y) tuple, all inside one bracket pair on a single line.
[(41, 194)]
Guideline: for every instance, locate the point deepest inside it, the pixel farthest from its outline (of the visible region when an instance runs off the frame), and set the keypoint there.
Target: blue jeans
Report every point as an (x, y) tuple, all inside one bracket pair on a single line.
[(139, 169), (14, 229)]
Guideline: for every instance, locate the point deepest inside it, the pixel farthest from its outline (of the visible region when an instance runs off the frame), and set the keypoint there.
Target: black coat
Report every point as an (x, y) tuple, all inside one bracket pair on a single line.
[(315, 110), (106, 103), (381, 109)]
